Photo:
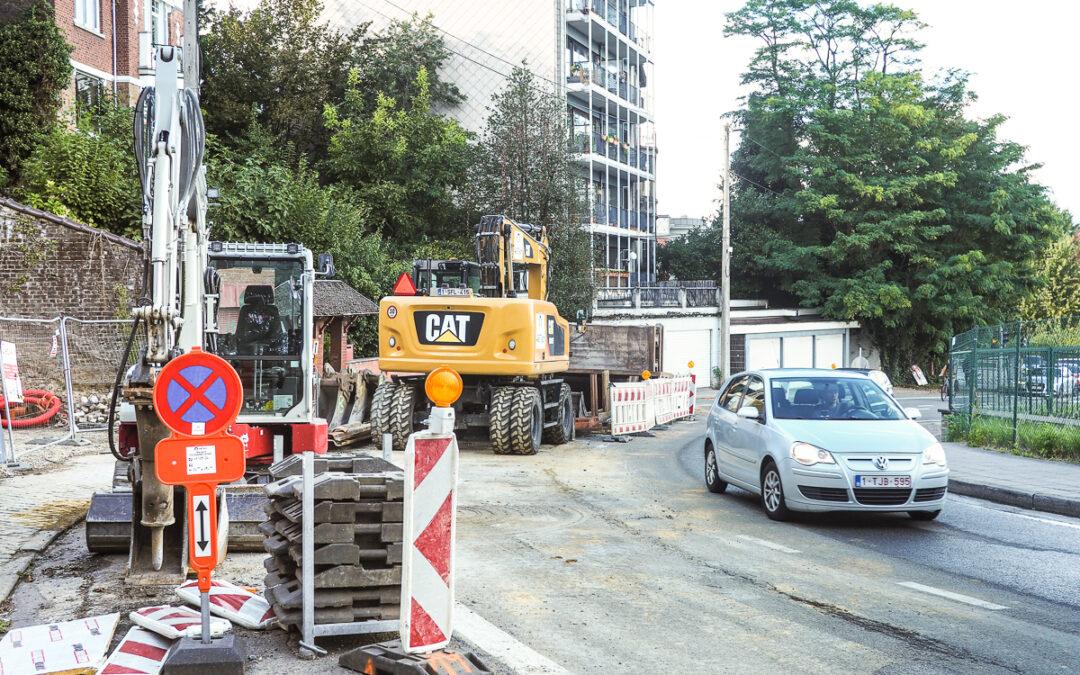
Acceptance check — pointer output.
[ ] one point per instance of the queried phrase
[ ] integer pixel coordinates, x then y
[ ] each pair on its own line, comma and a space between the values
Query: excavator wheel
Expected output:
402, 404
502, 402
526, 421
563, 432
380, 410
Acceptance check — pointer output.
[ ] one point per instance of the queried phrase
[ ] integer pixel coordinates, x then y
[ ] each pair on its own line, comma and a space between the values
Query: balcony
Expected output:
683, 295
610, 13
626, 219
612, 148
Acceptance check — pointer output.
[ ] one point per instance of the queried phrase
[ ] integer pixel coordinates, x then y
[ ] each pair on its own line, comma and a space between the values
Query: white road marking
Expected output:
500, 644
966, 599
971, 501
768, 544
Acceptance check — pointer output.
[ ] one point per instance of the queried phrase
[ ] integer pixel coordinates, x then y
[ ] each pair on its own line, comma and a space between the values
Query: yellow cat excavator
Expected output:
489, 320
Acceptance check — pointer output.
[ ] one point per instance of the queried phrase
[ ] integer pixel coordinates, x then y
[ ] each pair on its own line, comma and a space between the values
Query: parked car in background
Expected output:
822, 440
878, 376
1065, 380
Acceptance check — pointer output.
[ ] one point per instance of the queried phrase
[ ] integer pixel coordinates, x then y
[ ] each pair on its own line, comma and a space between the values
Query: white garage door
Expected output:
829, 351
799, 352
681, 347
762, 352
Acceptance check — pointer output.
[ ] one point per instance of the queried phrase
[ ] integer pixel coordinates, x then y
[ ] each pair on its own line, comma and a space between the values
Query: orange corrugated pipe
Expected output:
48, 402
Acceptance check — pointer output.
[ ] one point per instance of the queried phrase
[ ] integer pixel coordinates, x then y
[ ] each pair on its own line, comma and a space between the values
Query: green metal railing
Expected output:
1018, 374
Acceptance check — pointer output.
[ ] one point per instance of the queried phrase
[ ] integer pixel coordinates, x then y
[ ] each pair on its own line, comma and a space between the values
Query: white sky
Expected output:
1022, 56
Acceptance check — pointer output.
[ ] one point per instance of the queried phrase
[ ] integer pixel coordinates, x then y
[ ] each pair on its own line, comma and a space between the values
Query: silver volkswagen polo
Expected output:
822, 440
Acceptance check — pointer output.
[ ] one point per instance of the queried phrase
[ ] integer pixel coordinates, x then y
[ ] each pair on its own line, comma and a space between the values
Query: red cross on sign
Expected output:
197, 395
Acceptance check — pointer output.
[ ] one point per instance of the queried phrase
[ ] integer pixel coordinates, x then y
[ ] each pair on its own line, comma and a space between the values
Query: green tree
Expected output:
524, 169
696, 255
86, 171
274, 66
1057, 275
406, 164
34, 70
864, 190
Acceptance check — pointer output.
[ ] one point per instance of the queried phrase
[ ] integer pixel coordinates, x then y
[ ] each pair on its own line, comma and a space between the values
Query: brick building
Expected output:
105, 35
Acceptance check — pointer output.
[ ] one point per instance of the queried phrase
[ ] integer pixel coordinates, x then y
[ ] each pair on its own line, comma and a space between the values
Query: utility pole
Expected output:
725, 292
191, 45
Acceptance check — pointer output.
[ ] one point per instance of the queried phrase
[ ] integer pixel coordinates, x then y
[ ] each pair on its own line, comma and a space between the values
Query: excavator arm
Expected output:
503, 248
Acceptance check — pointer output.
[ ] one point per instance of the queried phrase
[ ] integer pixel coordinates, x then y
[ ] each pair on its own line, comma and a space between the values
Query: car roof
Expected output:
771, 373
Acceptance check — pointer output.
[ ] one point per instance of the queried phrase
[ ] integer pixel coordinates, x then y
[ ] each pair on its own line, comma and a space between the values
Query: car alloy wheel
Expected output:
772, 493
712, 473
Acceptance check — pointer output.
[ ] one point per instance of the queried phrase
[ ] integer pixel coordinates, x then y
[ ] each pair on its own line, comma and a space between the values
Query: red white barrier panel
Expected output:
429, 532
175, 622
629, 408
140, 652
660, 391
680, 396
232, 602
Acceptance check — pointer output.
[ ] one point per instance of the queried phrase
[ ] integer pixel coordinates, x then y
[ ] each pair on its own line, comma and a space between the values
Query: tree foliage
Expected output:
86, 171
524, 170
865, 190
696, 255
1057, 275
34, 70
405, 163
275, 67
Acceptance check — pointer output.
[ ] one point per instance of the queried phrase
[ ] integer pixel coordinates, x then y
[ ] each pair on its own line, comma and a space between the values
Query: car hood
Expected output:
858, 436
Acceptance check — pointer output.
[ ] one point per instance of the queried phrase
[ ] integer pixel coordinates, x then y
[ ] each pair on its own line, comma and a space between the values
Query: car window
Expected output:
755, 396
733, 396
830, 398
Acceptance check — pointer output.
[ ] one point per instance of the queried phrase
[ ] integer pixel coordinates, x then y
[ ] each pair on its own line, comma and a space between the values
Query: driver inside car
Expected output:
832, 406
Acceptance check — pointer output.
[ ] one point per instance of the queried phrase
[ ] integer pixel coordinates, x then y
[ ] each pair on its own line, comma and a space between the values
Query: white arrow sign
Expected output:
200, 511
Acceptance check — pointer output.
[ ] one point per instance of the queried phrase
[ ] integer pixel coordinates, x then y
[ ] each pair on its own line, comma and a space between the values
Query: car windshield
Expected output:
831, 398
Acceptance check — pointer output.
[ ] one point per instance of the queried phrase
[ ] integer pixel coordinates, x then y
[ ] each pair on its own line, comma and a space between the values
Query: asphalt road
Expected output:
615, 558
929, 404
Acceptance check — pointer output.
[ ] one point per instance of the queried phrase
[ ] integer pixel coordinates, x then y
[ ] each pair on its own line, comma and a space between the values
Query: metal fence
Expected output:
673, 295
72, 359
1018, 385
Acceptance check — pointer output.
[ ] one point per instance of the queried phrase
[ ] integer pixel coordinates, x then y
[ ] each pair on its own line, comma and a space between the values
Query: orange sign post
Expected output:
197, 396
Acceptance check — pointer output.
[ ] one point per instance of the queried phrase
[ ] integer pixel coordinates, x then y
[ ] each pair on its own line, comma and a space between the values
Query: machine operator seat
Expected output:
259, 324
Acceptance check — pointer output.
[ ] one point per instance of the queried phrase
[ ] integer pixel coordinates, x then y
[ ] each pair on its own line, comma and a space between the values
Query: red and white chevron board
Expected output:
232, 602
427, 574
140, 652
174, 622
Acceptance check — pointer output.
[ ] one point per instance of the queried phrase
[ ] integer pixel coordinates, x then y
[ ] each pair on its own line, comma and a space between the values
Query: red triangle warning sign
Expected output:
404, 285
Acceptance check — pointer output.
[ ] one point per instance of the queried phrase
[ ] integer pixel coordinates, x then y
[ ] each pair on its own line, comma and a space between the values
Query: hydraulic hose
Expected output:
48, 402
116, 392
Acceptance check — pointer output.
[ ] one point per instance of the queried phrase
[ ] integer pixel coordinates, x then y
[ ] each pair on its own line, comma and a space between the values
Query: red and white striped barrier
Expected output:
429, 531
140, 652
232, 602
639, 406
629, 408
175, 622
75, 646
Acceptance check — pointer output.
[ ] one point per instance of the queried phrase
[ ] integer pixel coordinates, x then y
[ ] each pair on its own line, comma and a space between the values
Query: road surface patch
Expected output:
949, 595
490, 638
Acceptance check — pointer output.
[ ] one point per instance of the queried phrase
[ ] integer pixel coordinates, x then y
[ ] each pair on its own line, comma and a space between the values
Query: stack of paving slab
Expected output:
357, 530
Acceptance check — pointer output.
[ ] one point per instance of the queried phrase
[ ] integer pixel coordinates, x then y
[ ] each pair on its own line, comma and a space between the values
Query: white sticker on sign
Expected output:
540, 336
201, 459
198, 428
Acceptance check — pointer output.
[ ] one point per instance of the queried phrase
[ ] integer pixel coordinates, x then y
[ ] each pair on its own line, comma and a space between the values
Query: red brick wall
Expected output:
90, 48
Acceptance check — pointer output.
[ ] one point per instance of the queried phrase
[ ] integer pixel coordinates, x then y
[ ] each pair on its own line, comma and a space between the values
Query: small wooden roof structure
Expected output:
335, 298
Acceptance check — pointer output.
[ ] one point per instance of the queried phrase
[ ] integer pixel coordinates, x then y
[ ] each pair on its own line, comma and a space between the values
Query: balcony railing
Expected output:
659, 296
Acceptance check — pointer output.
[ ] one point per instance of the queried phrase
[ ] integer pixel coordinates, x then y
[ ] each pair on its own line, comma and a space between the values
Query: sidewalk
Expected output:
36, 507
1039, 484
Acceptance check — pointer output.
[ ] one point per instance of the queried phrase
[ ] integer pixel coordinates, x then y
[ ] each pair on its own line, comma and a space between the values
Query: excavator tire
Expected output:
402, 404
502, 402
563, 432
380, 410
526, 421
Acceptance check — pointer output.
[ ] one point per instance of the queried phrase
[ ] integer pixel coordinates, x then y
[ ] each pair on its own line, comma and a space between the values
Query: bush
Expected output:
1051, 441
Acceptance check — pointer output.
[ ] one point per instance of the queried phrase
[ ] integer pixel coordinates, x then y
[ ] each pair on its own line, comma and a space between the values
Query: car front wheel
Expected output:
712, 472
772, 493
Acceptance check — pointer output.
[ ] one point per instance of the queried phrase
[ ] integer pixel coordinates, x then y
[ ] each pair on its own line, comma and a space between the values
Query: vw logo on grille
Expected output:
882, 463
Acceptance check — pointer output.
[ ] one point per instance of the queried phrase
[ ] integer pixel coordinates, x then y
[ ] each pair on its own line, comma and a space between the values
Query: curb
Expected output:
1026, 500
12, 573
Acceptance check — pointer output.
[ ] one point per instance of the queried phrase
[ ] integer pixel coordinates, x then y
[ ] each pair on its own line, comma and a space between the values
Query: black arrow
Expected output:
203, 542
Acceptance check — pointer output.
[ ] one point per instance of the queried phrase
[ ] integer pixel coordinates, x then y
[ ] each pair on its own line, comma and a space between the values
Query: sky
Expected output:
1023, 58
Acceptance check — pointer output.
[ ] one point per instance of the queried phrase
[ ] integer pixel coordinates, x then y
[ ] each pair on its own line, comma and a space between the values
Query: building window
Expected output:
88, 14
159, 34
88, 91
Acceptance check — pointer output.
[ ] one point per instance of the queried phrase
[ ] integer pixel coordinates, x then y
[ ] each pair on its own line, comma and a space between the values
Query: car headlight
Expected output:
935, 454
808, 455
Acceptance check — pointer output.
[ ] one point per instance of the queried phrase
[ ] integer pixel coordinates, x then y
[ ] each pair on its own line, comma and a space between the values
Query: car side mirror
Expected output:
913, 413
326, 265
748, 412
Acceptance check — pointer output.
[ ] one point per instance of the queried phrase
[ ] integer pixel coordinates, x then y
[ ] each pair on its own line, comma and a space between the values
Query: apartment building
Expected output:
595, 53
105, 35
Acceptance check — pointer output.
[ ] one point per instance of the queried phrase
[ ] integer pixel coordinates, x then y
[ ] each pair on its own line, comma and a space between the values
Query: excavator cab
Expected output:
446, 277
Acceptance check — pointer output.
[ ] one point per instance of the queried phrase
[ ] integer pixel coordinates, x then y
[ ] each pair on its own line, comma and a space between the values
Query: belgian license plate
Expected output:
882, 481
455, 292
